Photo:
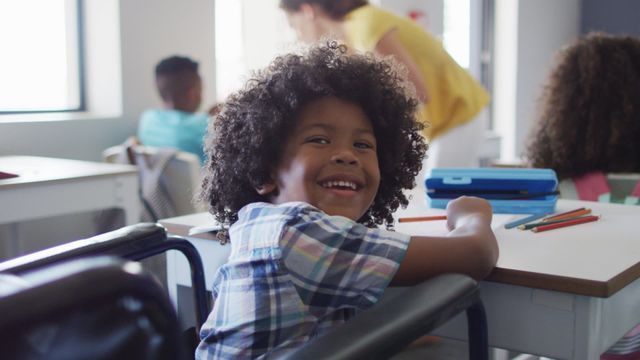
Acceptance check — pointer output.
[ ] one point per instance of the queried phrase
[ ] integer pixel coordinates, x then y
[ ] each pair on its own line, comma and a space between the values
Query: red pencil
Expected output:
423, 218
572, 222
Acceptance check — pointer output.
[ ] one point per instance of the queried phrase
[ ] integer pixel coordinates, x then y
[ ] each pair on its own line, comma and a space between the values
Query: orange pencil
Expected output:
581, 220
568, 214
423, 218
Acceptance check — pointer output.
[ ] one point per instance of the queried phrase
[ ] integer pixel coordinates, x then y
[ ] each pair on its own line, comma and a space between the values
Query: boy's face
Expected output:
329, 160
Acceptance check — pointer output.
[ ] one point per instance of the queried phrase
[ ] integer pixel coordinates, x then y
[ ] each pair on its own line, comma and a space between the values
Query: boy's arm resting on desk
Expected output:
470, 247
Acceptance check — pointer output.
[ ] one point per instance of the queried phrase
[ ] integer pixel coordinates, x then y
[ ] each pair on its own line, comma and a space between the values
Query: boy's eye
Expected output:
318, 140
363, 145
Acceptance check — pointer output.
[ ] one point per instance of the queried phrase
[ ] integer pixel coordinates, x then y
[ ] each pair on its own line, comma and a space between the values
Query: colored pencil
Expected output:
525, 220
569, 215
582, 220
532, 225
423, 218
553, 217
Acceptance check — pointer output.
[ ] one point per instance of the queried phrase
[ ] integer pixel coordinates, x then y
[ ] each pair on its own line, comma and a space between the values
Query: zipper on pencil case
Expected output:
492, 196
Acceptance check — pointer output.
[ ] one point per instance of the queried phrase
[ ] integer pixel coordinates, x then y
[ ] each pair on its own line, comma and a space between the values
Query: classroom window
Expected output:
456, 32
248, 35
41, 63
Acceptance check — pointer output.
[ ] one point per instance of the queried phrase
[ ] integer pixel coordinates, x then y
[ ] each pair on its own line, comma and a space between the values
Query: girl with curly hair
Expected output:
306, 160
590, 124
589, 132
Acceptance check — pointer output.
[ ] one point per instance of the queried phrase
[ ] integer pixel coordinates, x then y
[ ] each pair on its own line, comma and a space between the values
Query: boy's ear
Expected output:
266, 189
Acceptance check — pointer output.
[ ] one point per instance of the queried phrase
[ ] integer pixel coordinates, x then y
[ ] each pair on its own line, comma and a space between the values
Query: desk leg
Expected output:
12, 248
172, 281
587, 330
601, 322
127, 198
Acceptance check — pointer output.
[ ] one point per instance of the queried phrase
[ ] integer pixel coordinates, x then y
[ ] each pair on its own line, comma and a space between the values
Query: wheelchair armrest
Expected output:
389, 326
119, 242
88, 308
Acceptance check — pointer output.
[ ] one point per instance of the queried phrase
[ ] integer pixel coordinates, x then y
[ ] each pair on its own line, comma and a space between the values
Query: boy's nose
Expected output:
344, 157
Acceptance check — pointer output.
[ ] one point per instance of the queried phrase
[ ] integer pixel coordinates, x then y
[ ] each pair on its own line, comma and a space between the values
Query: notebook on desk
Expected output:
210, 228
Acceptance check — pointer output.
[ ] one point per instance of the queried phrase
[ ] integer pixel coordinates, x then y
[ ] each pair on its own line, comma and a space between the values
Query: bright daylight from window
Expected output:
456, 30
39, 62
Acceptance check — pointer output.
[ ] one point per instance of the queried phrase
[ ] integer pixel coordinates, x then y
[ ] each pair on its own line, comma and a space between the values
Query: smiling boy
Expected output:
307, 160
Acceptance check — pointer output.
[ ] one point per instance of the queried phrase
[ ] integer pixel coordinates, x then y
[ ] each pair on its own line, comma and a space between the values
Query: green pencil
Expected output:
532, 225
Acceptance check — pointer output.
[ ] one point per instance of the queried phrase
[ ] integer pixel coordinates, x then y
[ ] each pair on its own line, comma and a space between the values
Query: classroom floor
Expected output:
448, 349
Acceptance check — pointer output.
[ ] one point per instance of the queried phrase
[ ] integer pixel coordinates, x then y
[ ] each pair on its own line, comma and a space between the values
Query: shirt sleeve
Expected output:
337, 263
366, 25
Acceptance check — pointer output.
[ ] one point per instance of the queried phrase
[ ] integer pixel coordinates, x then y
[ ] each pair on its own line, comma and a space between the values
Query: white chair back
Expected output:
181, 175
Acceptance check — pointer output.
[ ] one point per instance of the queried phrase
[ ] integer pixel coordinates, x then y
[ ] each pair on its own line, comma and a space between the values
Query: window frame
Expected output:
80, 68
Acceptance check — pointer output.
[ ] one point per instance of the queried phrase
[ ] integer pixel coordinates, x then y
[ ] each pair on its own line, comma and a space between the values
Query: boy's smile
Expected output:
329, 160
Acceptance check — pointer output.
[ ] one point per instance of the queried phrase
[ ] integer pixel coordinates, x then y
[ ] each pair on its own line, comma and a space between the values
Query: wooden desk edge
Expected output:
565, 284
183, 231
16, 181
594, 288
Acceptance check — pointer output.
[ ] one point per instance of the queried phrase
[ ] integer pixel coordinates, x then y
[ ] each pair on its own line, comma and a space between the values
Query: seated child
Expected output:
590, 124
590, 129
178, 124
305, 161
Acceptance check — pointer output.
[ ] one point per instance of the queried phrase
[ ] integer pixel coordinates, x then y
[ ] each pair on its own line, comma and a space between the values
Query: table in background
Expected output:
569, 293
48, 187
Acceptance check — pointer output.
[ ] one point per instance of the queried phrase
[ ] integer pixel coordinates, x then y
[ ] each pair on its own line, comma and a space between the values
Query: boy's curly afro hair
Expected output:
247, 137
591, 109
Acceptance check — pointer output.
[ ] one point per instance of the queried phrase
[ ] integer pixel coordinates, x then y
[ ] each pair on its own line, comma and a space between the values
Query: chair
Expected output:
180, 177
135, 242
386, 328
60, 312
389, 326
621, 185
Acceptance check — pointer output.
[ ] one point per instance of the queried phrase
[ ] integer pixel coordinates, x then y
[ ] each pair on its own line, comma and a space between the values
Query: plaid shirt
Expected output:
294, 272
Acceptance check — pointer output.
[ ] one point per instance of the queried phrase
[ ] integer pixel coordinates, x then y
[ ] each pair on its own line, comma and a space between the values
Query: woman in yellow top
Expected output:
451, 95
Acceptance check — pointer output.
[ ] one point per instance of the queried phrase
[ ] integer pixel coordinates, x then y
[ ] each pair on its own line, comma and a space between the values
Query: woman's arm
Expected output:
389, 44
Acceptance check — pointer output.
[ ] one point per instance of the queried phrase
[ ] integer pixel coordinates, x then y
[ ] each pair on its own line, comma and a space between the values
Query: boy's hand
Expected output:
467, 207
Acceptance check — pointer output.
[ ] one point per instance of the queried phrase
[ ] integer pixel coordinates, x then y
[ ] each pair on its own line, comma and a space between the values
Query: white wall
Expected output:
124, 42
432, 10
528, 35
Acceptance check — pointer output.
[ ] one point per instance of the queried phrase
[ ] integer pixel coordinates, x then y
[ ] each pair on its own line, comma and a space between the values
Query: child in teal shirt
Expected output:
178, 125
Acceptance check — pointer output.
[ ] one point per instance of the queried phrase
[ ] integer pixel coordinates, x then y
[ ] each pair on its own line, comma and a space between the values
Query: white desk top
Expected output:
34, 169
596, 259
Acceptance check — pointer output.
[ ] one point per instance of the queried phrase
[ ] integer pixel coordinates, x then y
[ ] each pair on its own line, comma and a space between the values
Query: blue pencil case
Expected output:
508, 190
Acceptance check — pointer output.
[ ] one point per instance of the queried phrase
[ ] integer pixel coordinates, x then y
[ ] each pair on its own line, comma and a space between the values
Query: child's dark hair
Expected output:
591, 109
249, 134
336, 9
174, 75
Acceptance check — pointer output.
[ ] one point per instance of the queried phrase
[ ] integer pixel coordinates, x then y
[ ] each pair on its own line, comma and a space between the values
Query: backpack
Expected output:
595, 186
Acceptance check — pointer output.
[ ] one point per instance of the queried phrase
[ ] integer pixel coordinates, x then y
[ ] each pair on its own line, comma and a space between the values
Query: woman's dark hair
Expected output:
336, 9
591, 109
247, 137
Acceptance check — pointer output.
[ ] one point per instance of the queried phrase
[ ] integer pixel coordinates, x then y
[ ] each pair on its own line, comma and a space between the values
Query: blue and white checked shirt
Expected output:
294, 272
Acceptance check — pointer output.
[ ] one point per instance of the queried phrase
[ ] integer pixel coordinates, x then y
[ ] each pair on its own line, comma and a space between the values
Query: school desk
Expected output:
568, 293
47, 187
